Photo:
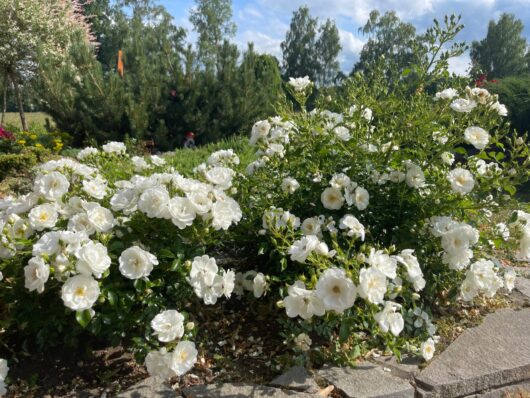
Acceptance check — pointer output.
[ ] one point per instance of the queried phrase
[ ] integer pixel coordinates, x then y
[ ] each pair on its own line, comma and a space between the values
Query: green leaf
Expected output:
406, 72
344, 331
510, 189
83, 318
112, 297
283, 264
166, 253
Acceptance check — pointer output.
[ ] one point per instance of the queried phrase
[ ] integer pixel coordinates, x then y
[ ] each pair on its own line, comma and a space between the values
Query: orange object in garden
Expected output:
120, 63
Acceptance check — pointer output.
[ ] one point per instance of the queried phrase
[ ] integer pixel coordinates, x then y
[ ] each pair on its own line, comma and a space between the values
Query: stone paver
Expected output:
152, 387
407, 369
522, 285
296, 378
491, 355
505, 392
366, 381
234, 390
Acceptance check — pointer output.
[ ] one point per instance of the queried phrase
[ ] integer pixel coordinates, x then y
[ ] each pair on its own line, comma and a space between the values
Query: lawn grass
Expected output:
184, 160
33, 118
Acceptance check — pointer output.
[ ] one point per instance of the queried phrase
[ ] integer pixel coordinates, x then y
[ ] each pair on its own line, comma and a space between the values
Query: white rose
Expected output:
157, 364
448, 158
342, 133
336, 290
428, 349
259, 284
353, 226
372, 285
302, 302
86, 152
182, 212
389, 319
225, 213
299, 84
183, 358
259, 130
477, 136
168, 325
361, 198
99, 217
51, 186
36, 274
463, 105
157, 160
499, 108
302, 248
415, 177
332, 198
153, 202
96, 187
136, 263
220, 177
114, 147
289, 185
80, 292
448, 93
92, 258
383, 262
43, 216
461, 180
125, 200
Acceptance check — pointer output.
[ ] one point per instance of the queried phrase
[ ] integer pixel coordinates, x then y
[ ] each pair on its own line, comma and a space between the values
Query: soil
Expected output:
237, 347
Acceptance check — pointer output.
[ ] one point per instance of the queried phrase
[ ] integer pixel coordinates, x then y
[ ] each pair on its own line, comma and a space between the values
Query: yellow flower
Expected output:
21, 142
57, 140
38, 145
33, 136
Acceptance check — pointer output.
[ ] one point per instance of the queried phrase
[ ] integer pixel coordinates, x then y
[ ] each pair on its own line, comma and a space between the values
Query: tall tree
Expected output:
389, 41
34, 30
299, 48
328, 48
211, 19
502, 52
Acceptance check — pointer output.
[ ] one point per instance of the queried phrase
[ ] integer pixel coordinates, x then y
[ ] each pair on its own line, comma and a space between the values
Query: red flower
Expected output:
6, 135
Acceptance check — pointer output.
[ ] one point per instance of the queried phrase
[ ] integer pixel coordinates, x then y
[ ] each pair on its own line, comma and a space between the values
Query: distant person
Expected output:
189, 141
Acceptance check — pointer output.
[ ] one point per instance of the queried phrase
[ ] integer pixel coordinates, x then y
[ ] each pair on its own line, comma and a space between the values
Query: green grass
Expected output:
33, 118
184, 159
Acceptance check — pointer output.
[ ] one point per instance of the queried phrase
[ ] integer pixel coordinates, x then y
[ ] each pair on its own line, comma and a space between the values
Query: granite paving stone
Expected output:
489, 356
366, 381
152, 387
296, 378
236, 390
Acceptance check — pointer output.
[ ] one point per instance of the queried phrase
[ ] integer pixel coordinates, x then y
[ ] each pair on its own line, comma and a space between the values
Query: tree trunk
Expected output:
20, 103
4, 108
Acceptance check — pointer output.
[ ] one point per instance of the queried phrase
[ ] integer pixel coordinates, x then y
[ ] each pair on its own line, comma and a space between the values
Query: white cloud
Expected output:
460, 65
351, 48
263, 43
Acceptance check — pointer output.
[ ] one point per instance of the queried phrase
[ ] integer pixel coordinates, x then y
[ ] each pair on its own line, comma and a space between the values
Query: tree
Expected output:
211, 19
36, 30
389, 42
299, 48
328, 48
502, 52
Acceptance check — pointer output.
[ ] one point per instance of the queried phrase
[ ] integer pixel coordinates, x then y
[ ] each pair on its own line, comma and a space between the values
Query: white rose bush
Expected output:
386, 220
358, 220
98, 242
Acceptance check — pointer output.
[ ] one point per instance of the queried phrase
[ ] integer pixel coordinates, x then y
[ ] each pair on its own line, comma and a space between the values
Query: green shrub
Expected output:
515, 93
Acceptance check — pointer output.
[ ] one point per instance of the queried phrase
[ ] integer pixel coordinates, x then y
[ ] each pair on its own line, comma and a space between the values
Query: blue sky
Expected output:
265, 22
